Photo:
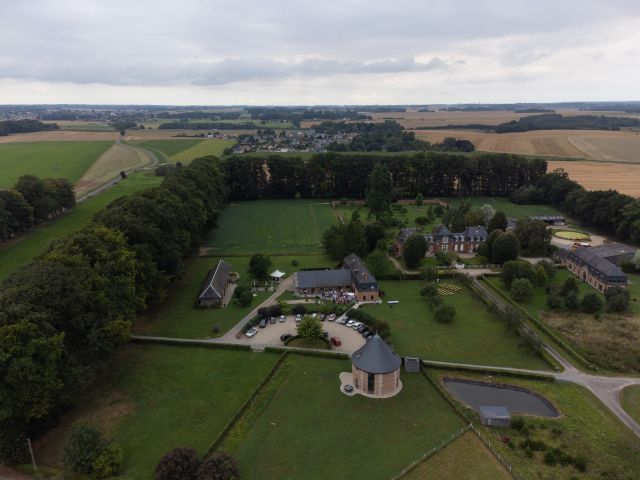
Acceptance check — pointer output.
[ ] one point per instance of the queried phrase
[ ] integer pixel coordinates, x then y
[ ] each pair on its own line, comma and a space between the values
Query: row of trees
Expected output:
332, 175
31, 201
609, 211
65, 313
24, 126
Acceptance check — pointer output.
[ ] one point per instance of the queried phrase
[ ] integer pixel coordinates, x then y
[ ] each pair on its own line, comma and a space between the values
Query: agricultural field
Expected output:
23, 249
118, 158
586, 428
82, 125
465, 459
624, 177
630, 398
68, 160
152, 399
201, 149
291, 227
60, 136
475, 336
335, 436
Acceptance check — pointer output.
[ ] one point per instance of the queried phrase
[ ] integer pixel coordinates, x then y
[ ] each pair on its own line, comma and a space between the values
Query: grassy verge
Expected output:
630, 399
22, 250
311, 430
475, 336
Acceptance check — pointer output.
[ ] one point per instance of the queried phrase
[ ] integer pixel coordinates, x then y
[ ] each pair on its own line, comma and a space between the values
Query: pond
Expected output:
517, 400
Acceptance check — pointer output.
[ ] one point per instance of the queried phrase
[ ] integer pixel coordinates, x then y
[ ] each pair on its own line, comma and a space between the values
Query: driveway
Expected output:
270, 335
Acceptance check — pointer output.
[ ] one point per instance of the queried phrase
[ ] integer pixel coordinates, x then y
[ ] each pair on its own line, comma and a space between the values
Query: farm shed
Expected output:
495, 416
376, 369
214, 286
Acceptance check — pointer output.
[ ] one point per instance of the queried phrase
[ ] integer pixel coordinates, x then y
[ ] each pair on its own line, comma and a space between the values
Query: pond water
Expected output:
516, 399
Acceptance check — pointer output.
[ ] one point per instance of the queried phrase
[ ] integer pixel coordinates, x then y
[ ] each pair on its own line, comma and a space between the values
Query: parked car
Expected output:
336, 341
282, 318
251, 332
298, 317
361, 328
332, 317
368, 335
314, 315
350, 323
325, 333
356, 325
323, 317
273, 320
263, 323
285, 337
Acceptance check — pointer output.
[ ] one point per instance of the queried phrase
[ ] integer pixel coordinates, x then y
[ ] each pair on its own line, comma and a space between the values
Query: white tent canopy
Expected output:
277, 274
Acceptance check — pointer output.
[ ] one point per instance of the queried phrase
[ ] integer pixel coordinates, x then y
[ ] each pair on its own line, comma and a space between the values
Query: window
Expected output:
371, 383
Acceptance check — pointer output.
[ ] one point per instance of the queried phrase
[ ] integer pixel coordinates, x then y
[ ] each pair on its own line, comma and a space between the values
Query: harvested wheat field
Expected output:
59, 136
587, 144
109, 165
144, 135
623, 177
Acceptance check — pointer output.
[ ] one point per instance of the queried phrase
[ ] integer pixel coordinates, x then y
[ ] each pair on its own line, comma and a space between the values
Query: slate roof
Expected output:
376, 356
322, 278
613, 249
589, 256
406, 233
213, 287
477, 231
361, 277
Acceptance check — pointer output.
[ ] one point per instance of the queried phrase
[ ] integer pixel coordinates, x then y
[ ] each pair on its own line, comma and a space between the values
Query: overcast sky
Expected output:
321, 52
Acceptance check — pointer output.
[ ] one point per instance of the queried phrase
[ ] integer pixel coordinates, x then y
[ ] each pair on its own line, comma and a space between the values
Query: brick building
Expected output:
376, 369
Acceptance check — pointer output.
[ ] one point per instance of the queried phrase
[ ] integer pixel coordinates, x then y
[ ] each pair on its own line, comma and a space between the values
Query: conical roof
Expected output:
376, 356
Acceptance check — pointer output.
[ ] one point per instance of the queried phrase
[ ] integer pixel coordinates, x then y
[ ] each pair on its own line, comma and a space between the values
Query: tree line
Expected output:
609, 211
64, 314
24, 126
332, 175
32, 200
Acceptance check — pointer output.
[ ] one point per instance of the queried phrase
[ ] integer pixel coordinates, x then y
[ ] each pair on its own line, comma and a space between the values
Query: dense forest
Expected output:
64, 314
609, 211
332, 175
31, 201
24, 126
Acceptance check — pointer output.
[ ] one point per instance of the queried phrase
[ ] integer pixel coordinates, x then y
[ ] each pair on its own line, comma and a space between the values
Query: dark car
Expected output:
285, 337
368, 335
273, 320
325, 333
362, 328
323, 317
263, 323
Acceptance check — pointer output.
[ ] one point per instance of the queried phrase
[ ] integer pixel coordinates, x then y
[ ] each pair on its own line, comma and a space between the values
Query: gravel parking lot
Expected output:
270, 335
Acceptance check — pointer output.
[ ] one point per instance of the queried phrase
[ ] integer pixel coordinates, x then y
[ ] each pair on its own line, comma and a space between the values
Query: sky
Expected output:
273, 52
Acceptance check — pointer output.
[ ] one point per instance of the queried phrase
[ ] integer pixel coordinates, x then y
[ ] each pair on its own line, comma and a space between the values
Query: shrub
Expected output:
445, 313
178, 464
414, 250
419, 199
617, 300
429, 290
294, 263
299, 309
515, 269
109, 462
445, 258
243, 295
571, 301
219, 466
591, 303
521, 290
517, 424
82, 447
309, 328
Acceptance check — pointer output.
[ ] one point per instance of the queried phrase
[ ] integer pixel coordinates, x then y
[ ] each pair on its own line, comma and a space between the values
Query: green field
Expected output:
510, 209
311, 430
630, 399
68, 160
465, 459
21, 250
166, 148
407, 215
202, 149
475, 336
272, 226
156, 398
586, 428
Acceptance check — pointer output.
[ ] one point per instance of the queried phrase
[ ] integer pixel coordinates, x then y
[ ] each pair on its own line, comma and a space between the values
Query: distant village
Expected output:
309, 140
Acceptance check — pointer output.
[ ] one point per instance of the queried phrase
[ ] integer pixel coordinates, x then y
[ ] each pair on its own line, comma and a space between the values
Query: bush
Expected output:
445, 313
591, 303
414, 250
178, 464
521, 290
219, 466
445, 258
109, 462
429, 290
243, 295
617, 300
82, 447
299, 309
517, 424
309, 328
294, 263
515, 269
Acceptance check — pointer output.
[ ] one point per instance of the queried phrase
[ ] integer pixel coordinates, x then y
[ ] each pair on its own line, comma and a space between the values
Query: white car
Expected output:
282, 318
332, 317
356, 325
314, 315
350, 323
298, 317
252, 332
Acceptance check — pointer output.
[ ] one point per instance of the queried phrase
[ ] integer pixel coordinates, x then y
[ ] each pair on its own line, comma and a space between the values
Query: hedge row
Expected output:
190, 343
307, 353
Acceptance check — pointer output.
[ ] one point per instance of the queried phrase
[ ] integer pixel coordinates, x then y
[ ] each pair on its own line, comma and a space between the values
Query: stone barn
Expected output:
376, 369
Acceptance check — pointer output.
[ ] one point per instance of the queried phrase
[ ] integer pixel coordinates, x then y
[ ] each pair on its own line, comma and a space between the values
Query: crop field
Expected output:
585, 428
60, 136
166, 148
22, 250
310, 430
623, 177
155, 398
83, 125
465, 459
118, 158
292, 227
475, 336
205, 147
68, 160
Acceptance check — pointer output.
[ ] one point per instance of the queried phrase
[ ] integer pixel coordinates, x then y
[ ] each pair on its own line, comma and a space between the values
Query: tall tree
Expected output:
414, 250
379, 192
497, 222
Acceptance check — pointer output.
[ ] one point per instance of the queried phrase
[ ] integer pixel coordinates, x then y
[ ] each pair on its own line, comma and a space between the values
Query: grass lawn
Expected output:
22, 250
272, 226
48, 159
509, 208
465, 459
634, 290
155, 398
201, 149
631, 401
407, 216
311, 430
475, 336
586, 428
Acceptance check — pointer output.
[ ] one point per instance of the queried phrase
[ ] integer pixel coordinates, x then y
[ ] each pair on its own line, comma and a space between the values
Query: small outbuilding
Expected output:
215, 286
376, 369
412, 364
495, 416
